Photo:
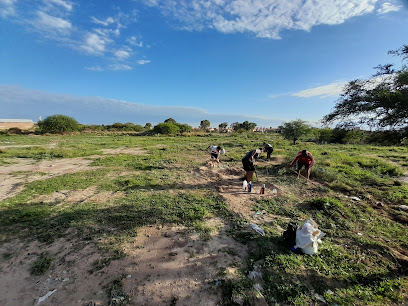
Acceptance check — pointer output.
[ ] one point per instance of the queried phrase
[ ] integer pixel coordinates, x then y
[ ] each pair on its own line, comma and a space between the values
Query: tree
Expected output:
222, 126
325, 135
170, 120
166, 128
148, 125
171, 128
204, 124
293, 130
246, 126
184, 128
58, 124
379, 102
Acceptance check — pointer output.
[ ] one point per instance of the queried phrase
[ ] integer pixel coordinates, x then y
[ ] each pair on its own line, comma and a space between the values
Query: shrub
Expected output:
58, 124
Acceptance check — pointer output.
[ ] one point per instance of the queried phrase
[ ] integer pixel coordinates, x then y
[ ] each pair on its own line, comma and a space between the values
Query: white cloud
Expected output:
94, 68
105, 22
388, 7
122, 54
120, 67
48, 23
134, 41
7, 8
94, 44
143, 62
65, 4
330, 90
264, 18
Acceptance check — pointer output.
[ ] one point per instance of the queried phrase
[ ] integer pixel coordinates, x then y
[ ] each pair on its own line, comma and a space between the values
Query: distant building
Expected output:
23, 124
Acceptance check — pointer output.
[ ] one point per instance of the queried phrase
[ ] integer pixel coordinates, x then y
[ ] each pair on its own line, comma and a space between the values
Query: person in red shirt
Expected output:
303, 158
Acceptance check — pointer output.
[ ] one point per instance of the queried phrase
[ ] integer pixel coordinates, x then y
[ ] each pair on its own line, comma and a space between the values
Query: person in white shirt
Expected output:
215, 152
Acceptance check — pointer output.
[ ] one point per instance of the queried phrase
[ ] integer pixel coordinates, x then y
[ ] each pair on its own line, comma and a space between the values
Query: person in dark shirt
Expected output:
268, 149
248, 163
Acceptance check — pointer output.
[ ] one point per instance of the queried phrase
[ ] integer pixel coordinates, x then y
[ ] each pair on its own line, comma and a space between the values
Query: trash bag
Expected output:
290, 234
308, 236
257, 229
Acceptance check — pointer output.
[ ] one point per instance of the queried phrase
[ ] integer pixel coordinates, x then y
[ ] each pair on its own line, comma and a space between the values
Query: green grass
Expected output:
357, 263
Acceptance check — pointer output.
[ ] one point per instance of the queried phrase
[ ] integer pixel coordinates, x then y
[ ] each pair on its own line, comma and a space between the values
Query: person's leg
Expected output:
298, 167
308, 173
268, 154
249, 175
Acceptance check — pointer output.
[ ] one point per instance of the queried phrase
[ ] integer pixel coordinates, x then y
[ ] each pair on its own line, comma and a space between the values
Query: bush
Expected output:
171, 128
58, 124
14, 130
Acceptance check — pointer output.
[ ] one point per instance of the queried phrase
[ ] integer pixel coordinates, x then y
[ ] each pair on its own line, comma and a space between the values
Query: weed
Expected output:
41, 265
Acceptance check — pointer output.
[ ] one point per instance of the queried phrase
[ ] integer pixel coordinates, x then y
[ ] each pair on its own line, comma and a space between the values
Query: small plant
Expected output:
41, 265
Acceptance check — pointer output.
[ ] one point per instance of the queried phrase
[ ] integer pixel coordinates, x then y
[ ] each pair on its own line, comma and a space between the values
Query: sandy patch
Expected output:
172, 263
163, 263
67, 278
14, 176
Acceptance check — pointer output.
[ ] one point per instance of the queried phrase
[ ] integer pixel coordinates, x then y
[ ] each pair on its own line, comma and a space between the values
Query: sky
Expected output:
265, 61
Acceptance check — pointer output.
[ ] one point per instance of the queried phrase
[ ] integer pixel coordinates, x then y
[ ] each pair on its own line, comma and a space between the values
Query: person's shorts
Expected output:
215, 155
248, 165
301, 165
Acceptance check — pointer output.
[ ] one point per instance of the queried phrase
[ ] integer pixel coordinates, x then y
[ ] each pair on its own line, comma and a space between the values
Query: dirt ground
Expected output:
163, 264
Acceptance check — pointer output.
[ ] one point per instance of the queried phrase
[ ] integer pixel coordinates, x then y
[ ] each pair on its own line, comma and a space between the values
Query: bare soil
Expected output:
163, 264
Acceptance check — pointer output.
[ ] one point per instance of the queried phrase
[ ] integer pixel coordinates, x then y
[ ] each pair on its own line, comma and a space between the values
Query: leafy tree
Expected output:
204, 124
166, 128
170, 120
148, 125
184, 128
246, 126
325, 135
379, 102
293, 130
58, 124
171, 128
222, 126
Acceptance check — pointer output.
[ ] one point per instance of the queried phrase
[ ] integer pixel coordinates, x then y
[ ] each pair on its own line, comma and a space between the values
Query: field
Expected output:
136, 220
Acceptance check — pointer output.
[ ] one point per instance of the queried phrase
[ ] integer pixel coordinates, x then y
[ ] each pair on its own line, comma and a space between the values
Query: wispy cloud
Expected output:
135, 41
120, 67
105, 22
7, 8
65, 4
143, 62
264, 18
94, 68
122, 54
388, 7
63, 22
330, 90
94, 44
51, 24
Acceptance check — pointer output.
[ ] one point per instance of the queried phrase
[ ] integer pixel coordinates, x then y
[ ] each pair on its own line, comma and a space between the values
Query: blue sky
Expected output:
141, 61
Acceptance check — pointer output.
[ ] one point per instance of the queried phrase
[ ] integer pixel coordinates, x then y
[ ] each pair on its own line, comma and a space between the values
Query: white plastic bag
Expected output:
308, 236
257, 229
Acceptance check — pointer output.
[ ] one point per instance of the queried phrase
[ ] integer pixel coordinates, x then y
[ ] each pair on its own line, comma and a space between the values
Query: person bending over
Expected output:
248, 163
303, 159
268, 149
